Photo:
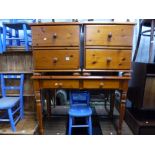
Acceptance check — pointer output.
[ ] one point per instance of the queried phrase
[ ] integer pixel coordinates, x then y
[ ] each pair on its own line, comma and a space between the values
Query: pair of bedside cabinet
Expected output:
82, 56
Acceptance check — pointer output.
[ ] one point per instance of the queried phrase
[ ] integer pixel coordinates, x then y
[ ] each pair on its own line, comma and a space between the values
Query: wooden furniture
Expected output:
101, 59
141, 122
140, 117
142, 84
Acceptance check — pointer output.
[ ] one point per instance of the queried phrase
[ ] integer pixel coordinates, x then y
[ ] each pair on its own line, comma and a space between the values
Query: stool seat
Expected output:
8, 102
146, 22
80, 111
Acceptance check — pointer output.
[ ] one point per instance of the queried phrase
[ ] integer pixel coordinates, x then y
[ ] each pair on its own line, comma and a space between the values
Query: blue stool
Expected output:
12, 34
80, 107
1, 47
12, 105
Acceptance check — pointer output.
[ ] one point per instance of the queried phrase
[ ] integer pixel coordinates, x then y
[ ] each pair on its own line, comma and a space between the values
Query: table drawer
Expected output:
60, 84
101, 84
56, 59
107, 59
62, 35
109, 35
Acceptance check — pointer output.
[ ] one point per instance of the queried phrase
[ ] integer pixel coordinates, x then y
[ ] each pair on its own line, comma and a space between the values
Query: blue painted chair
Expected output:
13, 106
80, 107
1, 46
15, 33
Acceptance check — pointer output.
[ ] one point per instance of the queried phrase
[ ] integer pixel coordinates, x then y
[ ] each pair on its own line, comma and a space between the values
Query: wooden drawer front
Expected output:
106, 35
56, 59
108, 84
60, 84
55, 35
107, 59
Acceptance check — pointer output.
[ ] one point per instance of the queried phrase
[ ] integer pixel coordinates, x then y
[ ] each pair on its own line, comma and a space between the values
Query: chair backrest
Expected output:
79, 97
4, 87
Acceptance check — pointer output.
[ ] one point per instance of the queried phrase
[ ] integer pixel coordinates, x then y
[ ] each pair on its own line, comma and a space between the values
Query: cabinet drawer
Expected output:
109, 35
62, 35
56, 59
100, 84
60, 84
107, 59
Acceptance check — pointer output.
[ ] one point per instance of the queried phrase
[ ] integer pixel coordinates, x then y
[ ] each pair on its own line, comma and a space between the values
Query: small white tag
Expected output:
67, 58
45, 38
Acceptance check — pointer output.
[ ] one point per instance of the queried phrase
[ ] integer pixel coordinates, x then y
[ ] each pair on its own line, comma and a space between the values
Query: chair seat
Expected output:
8, 102
80, 111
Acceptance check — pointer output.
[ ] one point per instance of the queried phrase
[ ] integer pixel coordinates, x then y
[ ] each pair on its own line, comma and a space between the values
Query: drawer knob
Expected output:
60, 84
109, 35
123, 59
45, 39
101, 84
94, 62
109, 59
56, 84
54, 36
55, 60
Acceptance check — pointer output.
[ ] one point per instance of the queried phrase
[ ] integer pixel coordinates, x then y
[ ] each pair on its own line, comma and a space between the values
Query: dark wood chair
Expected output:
146, 23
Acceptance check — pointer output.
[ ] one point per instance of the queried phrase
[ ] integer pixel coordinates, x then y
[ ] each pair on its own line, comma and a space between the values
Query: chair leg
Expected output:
11, 120
90, 125
21, 109
25, 37
70, 125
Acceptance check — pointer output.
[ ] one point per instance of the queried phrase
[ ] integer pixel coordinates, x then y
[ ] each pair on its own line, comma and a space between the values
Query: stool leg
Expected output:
11, 120
151, 53
138, 42
70, 125
90, 125
25, 37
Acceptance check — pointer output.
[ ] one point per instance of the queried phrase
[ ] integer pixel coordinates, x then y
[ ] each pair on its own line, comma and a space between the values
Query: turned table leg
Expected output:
39, 111
122, 111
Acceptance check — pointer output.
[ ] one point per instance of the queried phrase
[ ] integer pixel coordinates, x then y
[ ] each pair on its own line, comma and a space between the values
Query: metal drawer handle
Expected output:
54, 36
55, 60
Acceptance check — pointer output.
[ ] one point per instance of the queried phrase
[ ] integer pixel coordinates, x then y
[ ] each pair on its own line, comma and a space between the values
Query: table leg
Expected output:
112, 103
39, 111
48, 103
122, 111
